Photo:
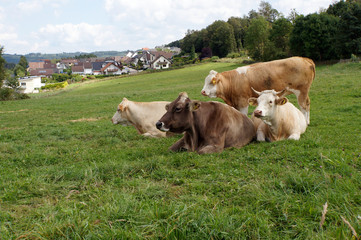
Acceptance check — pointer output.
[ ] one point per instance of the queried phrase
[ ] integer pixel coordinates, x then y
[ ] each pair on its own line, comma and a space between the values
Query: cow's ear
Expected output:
213, 72
194, 105
122, 107
253, 101
281, 101
167, 107
214, 81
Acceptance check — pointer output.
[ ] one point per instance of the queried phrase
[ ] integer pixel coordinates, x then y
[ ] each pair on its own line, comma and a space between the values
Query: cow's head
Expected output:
210, 85
266, 103
178, 117
120, 116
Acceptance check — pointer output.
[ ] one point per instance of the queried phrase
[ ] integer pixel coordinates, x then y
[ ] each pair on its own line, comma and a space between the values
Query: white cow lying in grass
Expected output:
142, 115
275, 118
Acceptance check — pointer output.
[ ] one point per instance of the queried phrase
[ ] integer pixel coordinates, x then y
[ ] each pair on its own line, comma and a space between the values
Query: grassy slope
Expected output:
91, 179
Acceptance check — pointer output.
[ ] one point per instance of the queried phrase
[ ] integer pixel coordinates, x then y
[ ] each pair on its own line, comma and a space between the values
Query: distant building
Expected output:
30, 84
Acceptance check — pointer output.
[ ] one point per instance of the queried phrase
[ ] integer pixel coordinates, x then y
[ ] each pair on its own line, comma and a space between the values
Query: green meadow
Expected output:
66, 172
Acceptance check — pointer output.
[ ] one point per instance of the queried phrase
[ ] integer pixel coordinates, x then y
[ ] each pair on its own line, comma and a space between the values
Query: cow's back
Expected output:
217, 118
288, 120
294, 73
292, 119
144, 115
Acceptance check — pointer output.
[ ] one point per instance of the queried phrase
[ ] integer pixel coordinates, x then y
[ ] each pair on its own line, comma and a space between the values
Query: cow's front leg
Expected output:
294, 136
180, 145
210, 149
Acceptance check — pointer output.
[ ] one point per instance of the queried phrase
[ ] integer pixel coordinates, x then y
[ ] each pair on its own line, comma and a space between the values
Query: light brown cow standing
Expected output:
234, 87
208, 126
142, 115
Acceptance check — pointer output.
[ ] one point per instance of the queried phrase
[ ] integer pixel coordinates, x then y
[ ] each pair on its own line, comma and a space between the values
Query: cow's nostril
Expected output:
258, 113
203, 92
159, 124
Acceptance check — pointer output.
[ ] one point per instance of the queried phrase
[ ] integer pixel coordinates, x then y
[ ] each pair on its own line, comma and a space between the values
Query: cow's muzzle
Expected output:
258, 113
160, 126
203, 93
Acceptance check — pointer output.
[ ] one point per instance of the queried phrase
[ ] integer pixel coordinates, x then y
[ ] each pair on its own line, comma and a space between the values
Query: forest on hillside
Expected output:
332, 33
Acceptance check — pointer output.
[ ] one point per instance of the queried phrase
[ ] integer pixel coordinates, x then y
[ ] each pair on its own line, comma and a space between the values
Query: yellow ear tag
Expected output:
214, 81
284, 101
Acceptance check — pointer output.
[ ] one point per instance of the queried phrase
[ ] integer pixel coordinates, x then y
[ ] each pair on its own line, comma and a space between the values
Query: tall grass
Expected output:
67, 173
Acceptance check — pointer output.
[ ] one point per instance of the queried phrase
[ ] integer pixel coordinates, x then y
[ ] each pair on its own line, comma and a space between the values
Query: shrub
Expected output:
354, 58
77, 78
233, 55
10, 94
55, 85
215, 58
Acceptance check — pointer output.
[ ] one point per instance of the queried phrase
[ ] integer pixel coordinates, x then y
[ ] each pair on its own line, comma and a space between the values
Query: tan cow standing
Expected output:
208, 126
234, 87
142, 115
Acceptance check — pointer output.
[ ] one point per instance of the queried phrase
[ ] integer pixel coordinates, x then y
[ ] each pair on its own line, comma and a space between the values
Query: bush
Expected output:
354, 58
55, 86
10, 94
215, 58
77, 78
233, 55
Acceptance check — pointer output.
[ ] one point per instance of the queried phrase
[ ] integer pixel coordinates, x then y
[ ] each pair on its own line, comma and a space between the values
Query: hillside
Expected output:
68, 173
33, 57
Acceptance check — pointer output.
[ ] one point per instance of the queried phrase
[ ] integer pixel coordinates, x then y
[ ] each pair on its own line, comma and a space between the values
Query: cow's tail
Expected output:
313, 67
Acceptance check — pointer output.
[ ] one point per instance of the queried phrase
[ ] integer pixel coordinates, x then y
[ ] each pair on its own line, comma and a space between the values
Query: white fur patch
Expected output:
294, 91
242, 70
183, 97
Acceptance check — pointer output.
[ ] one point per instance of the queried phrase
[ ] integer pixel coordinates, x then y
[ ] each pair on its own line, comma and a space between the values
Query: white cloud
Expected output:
162, 21
29, 6
2, 13
77, 37
302, 7
120, 24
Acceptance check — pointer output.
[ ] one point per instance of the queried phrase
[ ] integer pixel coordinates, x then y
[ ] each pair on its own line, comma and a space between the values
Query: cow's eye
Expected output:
270, 102
178, 109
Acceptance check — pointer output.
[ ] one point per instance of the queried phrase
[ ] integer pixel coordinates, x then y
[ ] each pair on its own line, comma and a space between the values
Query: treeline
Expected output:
266, 34
34, 57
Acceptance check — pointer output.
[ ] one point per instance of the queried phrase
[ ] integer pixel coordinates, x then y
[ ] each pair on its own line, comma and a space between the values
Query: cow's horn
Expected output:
280, 93
183, 94
256, 92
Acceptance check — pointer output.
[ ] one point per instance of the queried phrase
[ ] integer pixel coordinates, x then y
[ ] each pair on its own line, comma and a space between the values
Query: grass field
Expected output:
66, 172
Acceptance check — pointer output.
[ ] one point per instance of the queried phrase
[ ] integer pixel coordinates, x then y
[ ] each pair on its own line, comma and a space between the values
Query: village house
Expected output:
30, 84
161, 63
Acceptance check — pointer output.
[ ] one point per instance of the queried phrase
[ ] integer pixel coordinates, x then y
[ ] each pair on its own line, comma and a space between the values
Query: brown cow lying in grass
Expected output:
208, 126
142, 115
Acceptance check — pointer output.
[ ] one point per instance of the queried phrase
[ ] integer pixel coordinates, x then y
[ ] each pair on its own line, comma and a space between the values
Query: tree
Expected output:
265, 10
257, 42
19, 71
13, 83
221, 38
313, 36
239, 26
292, 16
2, 67
23, 62
193, 53
348, 38
206, 53
280, 35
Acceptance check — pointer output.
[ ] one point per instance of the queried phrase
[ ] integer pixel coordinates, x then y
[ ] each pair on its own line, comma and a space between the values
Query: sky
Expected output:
56, 26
